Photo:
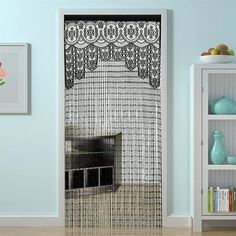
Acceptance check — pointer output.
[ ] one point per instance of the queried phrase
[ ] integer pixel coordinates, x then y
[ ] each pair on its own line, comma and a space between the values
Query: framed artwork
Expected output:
14, 75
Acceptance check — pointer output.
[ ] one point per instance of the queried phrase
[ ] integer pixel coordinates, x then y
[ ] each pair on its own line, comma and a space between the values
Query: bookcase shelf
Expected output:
210, 82
221, 117
222, 167
220, 216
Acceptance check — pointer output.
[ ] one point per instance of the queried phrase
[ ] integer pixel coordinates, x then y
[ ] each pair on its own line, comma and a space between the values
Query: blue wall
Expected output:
28, 144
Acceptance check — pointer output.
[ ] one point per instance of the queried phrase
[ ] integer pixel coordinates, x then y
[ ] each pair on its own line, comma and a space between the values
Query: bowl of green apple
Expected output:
220, 54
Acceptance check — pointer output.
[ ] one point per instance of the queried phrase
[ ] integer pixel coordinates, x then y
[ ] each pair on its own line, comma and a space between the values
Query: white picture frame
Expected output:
14, 78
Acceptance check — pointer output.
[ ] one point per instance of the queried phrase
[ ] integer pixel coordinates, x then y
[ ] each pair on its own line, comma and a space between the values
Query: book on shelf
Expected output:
234, 198
221, 199
210, 199
230, 201
216, 199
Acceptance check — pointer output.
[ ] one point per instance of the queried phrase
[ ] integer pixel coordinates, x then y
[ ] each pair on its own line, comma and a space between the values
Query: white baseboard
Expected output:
219, 223
55, 221
31, 221
178, 221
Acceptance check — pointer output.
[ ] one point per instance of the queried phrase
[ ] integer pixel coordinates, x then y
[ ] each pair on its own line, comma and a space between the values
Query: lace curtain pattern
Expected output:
112, 86
136, 43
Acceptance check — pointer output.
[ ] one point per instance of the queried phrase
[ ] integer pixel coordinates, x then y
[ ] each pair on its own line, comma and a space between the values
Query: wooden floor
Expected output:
139, 232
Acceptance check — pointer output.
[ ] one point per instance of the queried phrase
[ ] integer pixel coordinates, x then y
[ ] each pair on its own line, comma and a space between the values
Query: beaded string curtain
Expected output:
112, 85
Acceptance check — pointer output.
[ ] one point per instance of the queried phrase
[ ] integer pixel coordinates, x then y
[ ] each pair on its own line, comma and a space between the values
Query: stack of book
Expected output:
221, 199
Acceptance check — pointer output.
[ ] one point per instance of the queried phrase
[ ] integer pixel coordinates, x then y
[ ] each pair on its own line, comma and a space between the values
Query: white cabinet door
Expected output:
217, 83
210, 81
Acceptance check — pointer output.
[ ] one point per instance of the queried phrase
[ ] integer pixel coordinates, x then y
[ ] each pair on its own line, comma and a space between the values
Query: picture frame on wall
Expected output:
14, 78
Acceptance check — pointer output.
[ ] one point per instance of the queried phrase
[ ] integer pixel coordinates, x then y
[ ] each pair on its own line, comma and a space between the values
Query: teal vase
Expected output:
224, 105
217, 154
211, 107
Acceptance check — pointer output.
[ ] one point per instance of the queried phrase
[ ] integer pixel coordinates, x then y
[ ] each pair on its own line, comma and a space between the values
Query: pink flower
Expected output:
2, 73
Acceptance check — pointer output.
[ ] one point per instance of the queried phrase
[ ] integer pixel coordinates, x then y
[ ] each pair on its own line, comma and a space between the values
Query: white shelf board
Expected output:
220, 216
222, 167
221, 117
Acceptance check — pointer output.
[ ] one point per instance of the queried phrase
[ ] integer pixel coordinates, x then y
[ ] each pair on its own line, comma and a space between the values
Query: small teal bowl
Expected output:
231, 160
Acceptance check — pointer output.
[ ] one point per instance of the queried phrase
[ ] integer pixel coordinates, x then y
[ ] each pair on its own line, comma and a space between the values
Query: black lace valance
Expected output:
136, 43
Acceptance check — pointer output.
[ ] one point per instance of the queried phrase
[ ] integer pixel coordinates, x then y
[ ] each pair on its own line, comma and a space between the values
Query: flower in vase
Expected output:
2, 75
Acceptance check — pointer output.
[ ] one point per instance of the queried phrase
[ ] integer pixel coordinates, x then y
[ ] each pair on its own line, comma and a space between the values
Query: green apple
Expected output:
214, 51
230, 52
209, 50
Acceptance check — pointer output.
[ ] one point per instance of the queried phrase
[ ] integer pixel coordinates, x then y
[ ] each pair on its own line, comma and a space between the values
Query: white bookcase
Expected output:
210, 81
